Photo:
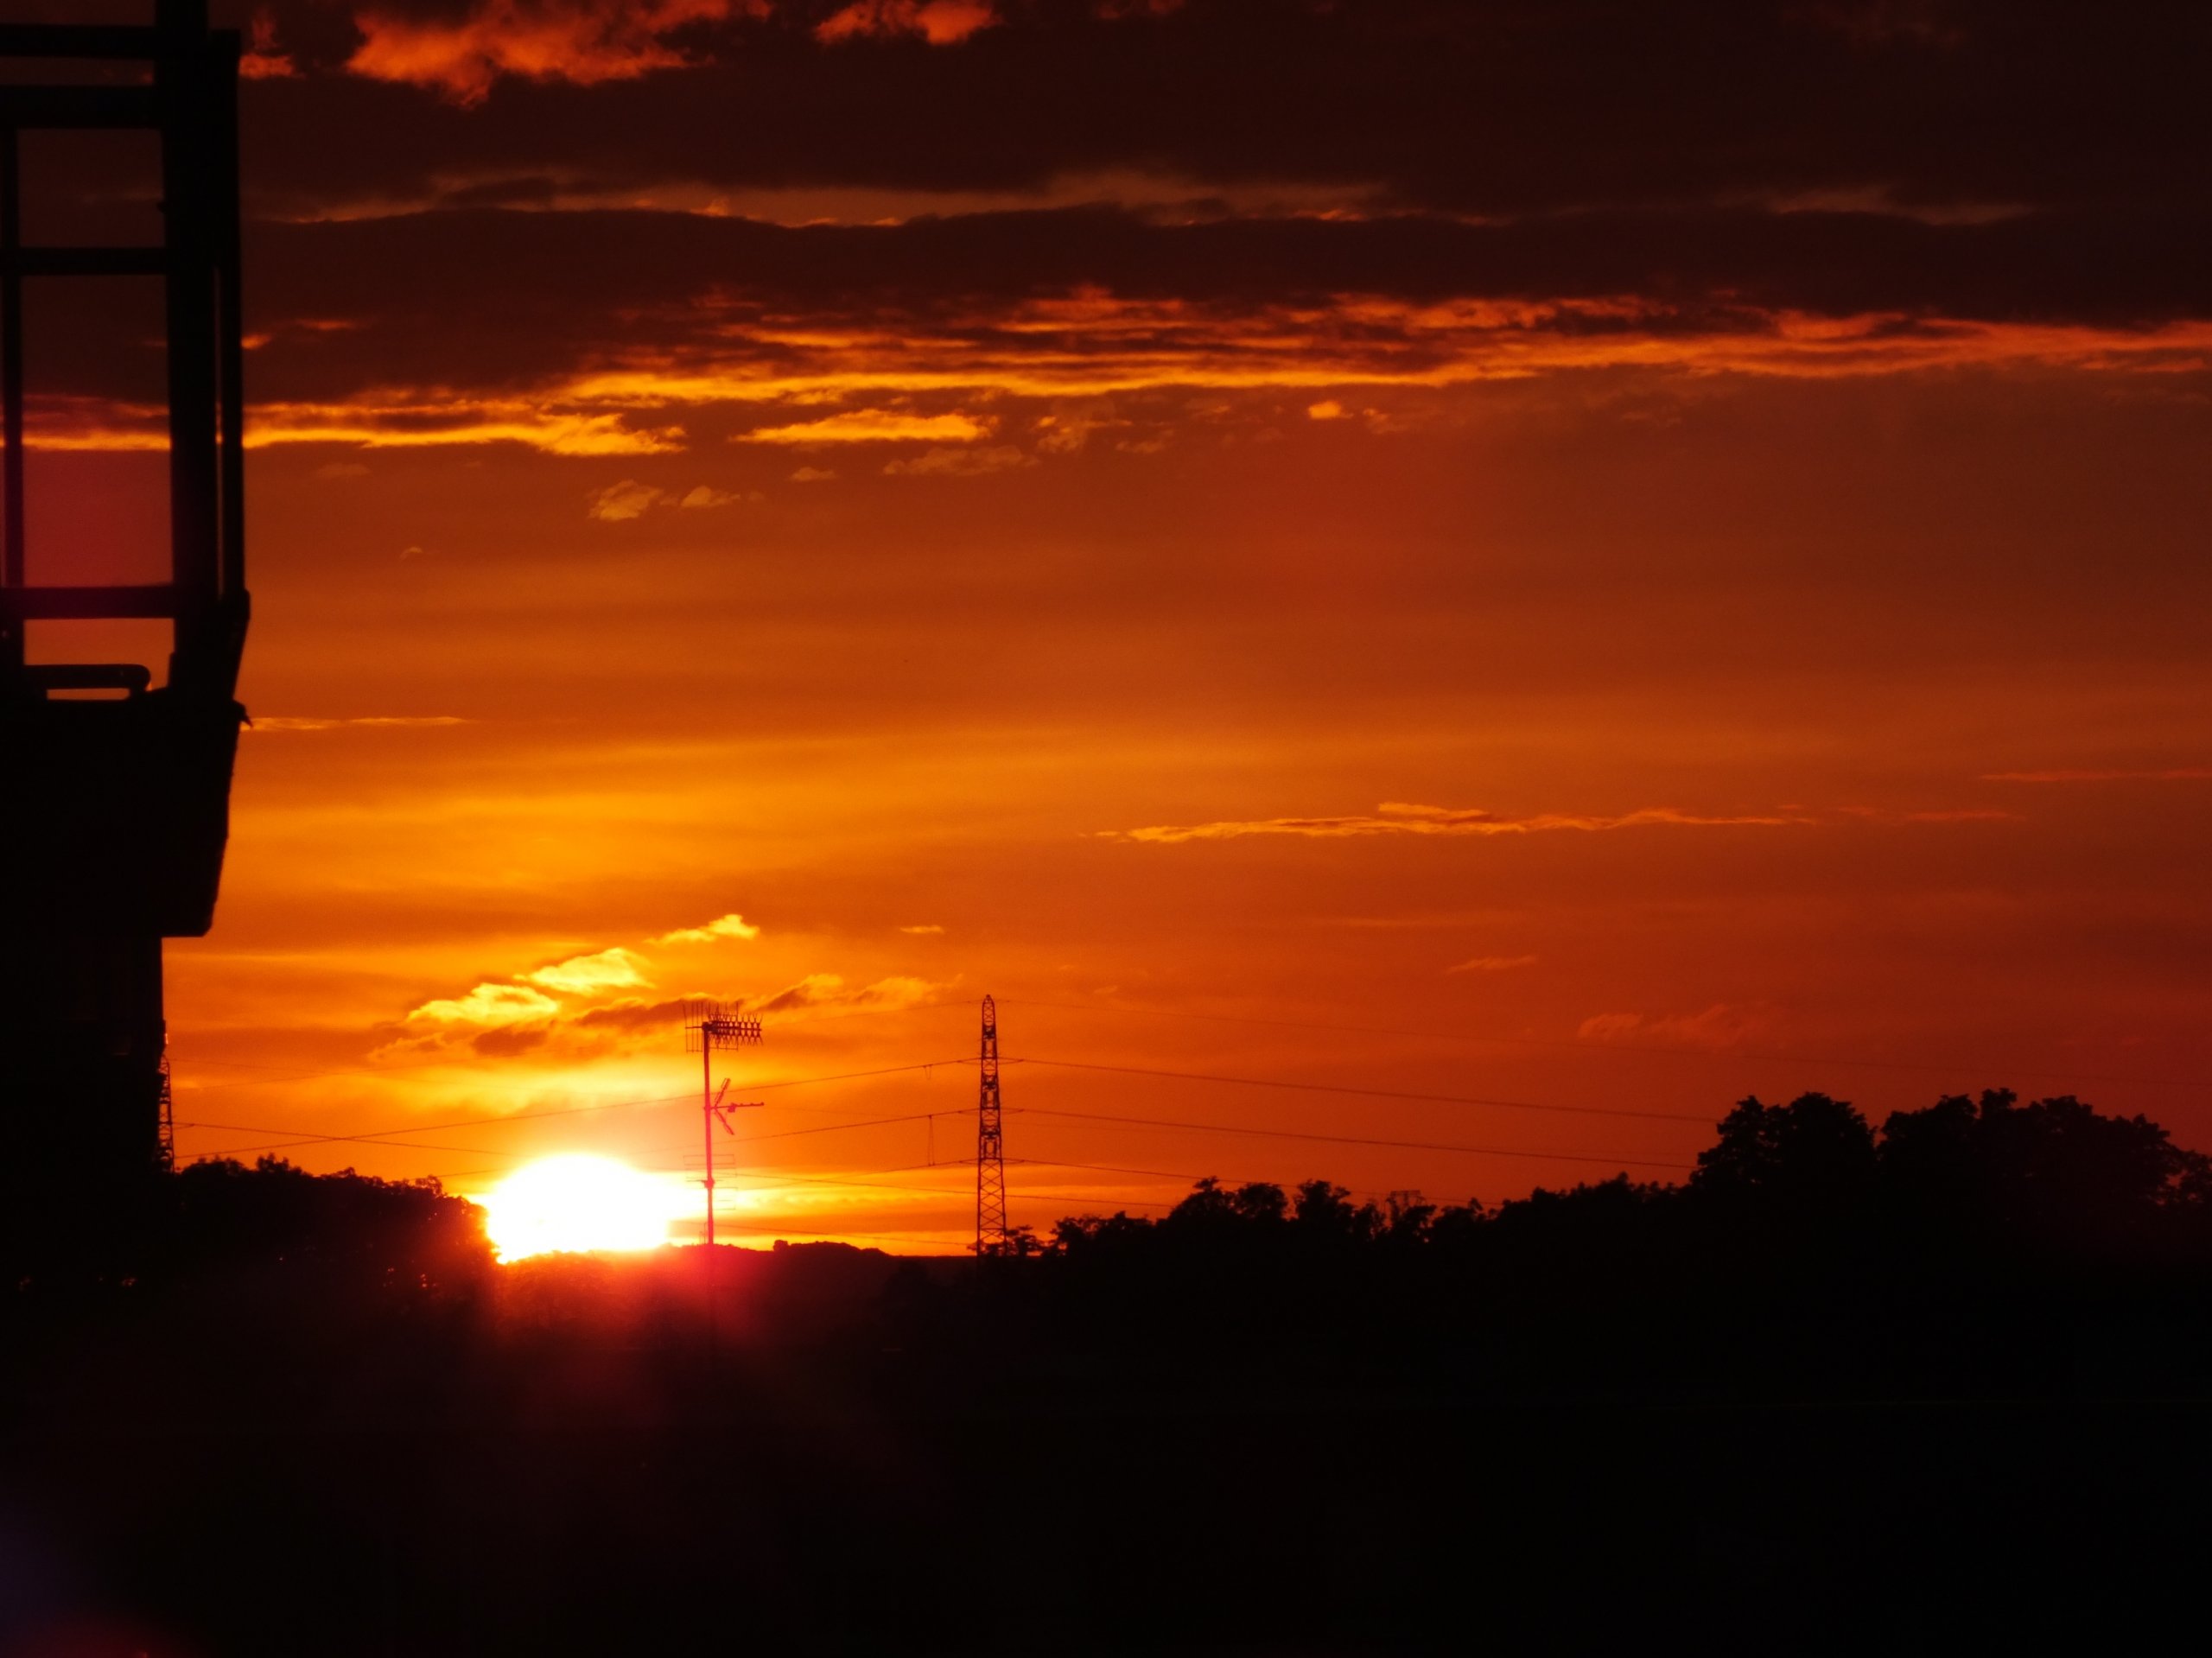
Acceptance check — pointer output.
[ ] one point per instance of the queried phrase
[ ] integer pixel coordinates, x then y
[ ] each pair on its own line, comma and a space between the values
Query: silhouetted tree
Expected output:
400, 1237
1327, 1211
1814, 1150
2053, 1173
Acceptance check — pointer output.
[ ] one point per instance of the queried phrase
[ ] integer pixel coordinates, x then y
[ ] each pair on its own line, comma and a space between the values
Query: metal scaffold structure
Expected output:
115, 775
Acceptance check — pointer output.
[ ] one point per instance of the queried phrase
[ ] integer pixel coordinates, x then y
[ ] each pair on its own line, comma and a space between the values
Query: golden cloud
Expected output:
872, 426
729, 926
583, 975
486, 1007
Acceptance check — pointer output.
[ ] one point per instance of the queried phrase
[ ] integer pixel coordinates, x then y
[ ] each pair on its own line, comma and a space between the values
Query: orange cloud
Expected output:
619, 502
1717, 1028
574, 41
1396, 817
872, 426
828, 990
2171, 774
729, 926
1097, 346
961, 463
486, 1007
302, 723
608, 970
941, 23
438, 419
261, 60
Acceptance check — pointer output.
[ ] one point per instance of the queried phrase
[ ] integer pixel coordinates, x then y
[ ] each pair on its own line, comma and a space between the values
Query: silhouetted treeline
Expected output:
1977, 1243
1945, 1378
1989, 1179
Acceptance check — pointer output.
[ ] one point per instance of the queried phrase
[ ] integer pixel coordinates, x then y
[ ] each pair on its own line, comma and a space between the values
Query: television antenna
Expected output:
709, 1027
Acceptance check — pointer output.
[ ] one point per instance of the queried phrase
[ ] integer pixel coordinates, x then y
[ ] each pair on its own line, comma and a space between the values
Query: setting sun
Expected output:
576, 1203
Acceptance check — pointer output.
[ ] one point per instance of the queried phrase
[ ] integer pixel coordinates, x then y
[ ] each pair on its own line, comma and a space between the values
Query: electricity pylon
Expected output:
990, 1146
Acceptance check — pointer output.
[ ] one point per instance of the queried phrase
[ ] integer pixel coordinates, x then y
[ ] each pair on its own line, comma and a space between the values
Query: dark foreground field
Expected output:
573, 1507
1815, 1401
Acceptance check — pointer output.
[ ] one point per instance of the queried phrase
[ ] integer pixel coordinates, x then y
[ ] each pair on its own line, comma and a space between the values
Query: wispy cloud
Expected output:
1399, 817
633, 407
1718, 1026
584, 41
264, 60
703, 495
586, 1005
429, 421
2171, 774
923, 930
286, 723
871, 426
961, 463
729, 926
1929, 815
1492, 964
819, 990
488, 1006
620, 503
941, 23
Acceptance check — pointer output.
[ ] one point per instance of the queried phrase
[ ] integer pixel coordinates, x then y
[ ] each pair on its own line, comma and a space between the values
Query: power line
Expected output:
311, 1139
308, 1139
305, 1076
390, 1137
839, 1128
1562, 1044
372, 1146
1352, 1139
1375, 1093
775, 1177
952, 1250
1175, 1174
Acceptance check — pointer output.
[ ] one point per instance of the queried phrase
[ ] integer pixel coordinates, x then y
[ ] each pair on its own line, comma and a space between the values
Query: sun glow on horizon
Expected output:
576, 1203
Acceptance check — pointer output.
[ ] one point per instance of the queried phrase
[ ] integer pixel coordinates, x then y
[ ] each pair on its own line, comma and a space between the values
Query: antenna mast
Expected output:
709, 1025
990, 1147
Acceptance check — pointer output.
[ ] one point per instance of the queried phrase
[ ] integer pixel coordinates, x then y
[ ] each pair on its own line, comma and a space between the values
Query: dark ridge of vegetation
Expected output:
1979, 1243
1946, 1378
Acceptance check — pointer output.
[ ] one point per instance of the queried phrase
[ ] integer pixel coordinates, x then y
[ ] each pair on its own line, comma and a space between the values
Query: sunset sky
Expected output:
1577, 558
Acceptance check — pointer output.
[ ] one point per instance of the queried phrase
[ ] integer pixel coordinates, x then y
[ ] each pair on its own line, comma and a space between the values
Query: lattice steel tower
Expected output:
990, 1146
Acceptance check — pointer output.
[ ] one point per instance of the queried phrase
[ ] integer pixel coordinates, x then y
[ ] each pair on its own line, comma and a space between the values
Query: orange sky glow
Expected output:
1440, 681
